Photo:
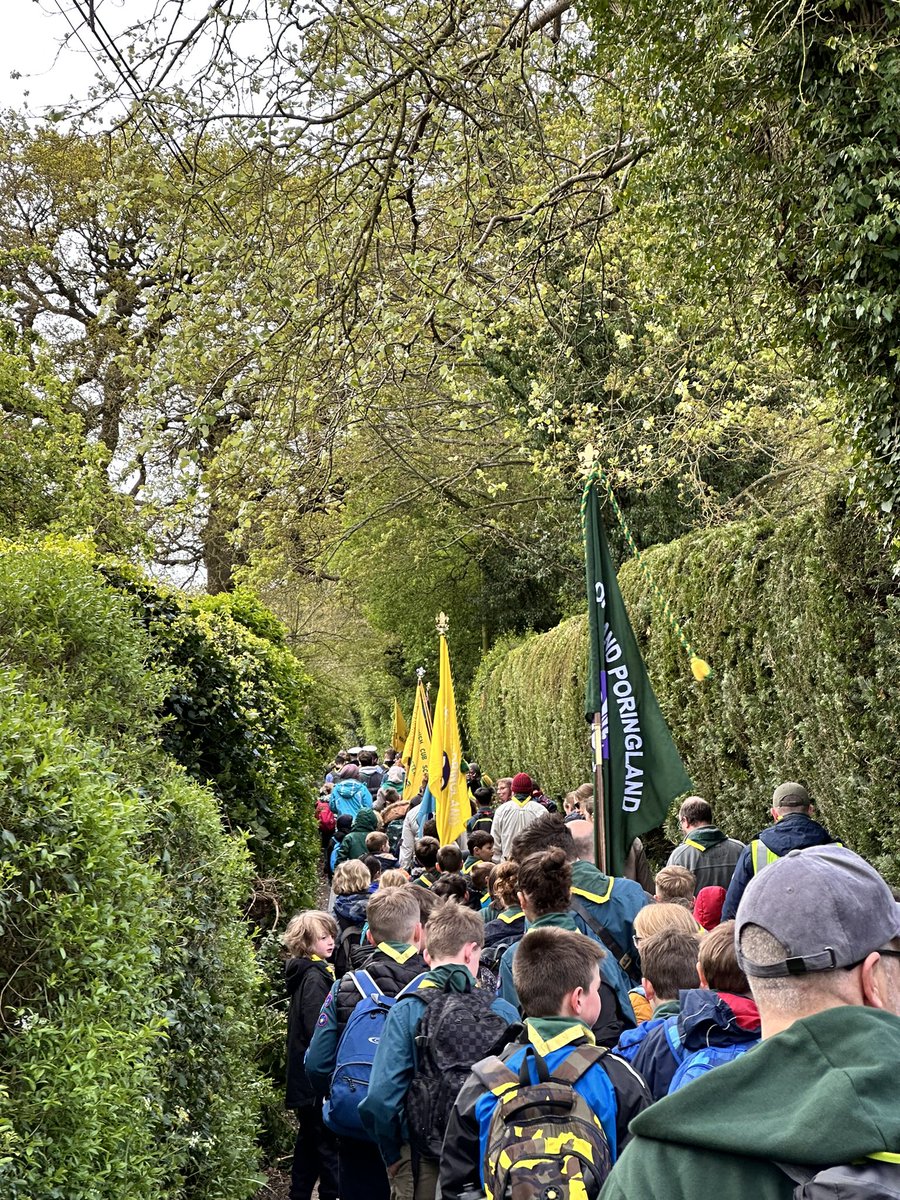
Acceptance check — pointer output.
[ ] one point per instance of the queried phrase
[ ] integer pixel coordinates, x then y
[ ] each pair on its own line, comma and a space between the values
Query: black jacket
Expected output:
795, 831
390, 976
307, 984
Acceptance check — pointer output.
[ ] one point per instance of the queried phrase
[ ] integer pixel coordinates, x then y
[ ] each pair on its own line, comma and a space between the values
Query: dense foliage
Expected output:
131, 993
801, 623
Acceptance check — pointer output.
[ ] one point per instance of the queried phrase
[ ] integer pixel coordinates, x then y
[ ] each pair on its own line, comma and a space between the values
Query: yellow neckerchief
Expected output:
575, 1032
597, 899
510, 915
328, 967
399, 956
522, 803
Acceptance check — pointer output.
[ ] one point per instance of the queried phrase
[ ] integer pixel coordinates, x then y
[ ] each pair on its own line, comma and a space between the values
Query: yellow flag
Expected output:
446, 781
415, 753
399, 732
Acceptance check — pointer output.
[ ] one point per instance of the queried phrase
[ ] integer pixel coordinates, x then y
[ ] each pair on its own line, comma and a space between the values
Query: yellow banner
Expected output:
399, 732
418, 744
446, 781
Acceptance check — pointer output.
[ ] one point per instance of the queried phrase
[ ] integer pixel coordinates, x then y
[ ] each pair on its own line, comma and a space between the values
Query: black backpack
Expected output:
349, 953
866, 1180
456, 1030
491, 955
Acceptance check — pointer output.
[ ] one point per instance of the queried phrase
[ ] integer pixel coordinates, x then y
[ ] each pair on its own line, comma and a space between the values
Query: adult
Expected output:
818, 936
504, 789
349, 795
636, 866
706, 851
794, 829
515, 815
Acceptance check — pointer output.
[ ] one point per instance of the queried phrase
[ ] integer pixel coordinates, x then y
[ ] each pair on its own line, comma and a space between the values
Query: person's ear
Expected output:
576, 1001
704, 983
649, 990
427, 957
369, 937
872, 981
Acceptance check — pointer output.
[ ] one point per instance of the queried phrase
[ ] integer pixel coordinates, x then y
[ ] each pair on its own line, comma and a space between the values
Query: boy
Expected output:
669, 963
453, 941
676, 885
426, 870
717, 1020
309, 940
450, 860
483, 817
395, 935
481, 849
560, 1006
479, 886
377, 844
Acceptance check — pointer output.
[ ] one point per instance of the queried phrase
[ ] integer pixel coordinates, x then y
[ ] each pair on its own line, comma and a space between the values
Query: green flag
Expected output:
639, 764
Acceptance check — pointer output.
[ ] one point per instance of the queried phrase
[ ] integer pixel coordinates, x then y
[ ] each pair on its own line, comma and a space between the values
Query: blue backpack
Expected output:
694, 1063
355, 1055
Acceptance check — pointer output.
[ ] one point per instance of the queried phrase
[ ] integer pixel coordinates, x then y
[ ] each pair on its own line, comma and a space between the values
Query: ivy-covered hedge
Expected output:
801, 623
130, 992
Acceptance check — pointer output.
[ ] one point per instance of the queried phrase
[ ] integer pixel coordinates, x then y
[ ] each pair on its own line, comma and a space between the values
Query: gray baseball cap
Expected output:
825, 904
793, 792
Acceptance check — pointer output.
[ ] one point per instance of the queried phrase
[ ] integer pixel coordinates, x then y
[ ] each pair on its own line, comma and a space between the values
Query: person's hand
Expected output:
394, 1168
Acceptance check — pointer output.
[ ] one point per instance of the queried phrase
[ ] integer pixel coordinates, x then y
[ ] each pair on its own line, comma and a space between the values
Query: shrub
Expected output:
801, 623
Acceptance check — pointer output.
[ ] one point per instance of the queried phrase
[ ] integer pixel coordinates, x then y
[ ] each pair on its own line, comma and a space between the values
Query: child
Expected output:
670, 968
351, 897
426, 870
717, 1021
479, 887
342, 826
675, 885
449, 860
452, 887
309, 940
453, 940
481, 849
509, 924
354, 844
560, 1005
393, 960
653, 919
377, 844
483, 817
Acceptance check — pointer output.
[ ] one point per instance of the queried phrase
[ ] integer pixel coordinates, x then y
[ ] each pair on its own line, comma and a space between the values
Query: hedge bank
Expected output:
130, 991
801, 623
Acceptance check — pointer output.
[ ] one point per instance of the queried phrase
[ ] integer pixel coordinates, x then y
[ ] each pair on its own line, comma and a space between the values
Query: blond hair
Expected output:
305, 929
394, 877
449, 928
351, 877
393, 915
654, 918
674, 884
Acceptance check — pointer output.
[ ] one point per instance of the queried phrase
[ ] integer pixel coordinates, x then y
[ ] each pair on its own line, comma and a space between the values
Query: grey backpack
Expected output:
870, 1179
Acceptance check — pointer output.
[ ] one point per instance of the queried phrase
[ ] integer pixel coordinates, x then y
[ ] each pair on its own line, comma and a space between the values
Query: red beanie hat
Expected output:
522, 785
708, 905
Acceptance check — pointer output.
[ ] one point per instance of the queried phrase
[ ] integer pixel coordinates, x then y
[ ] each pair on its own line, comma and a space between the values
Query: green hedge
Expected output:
801, 623
130, 993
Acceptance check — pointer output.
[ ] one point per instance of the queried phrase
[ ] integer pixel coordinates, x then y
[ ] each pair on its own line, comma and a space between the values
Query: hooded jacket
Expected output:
307, 982
709, 854
348, 796
822, 1092
351, 910
796, 831
706, 1018
354, 844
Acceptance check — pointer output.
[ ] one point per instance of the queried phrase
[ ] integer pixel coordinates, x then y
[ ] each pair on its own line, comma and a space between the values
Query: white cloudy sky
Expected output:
30, 45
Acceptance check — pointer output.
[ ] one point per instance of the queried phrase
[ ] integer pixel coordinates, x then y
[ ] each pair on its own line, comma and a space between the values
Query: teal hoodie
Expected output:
354, 844
823, 1092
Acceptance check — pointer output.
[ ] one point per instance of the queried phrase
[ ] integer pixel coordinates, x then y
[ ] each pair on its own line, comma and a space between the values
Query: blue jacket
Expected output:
706, 1019
631, 1040
348, 797
613, 1091
611, 973
382, 1111
613, 902
796, 831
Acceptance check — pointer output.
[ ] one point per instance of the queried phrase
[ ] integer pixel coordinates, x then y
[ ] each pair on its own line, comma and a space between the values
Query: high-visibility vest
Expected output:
761, 856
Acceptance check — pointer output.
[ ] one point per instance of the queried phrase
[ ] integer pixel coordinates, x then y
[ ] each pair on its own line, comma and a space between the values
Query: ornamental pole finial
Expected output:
442, 624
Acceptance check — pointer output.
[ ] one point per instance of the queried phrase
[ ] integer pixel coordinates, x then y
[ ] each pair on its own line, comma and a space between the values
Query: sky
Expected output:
30, 46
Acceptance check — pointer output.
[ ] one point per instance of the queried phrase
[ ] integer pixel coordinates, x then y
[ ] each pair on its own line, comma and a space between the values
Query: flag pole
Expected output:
599, 798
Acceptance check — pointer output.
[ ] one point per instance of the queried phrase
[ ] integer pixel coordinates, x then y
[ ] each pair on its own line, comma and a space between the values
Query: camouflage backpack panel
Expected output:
544, 1141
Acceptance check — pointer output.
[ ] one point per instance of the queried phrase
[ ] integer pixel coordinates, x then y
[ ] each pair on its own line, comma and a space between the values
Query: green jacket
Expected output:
822, 1092
354, 844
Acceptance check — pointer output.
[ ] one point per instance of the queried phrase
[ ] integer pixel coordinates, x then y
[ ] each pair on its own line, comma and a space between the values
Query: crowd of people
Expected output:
500, 1018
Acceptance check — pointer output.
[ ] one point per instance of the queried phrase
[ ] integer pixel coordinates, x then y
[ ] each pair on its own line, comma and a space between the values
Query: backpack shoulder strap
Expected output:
577, 1063
622, 957
673, 1037
365, 984
496, 1076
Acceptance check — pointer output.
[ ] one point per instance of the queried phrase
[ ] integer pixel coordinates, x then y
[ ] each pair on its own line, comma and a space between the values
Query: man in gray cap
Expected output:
818, 936
794, 829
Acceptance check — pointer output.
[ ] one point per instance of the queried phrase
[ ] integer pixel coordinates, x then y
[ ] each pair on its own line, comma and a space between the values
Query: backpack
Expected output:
866, 1180
695, 1063
544, 1139
348, 952
324, 815
455, 1031
491, 955
355, 1055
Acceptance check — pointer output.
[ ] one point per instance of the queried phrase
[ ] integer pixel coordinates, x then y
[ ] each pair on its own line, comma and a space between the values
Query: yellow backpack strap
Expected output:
761, 855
